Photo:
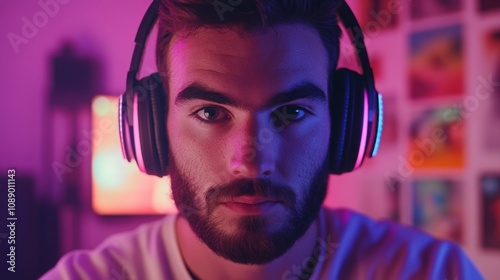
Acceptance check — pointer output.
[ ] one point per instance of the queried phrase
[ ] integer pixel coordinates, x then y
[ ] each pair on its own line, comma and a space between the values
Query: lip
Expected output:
251, 205
246, 199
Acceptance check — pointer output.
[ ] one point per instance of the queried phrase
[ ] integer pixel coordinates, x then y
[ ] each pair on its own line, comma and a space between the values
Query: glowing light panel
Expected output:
118, 187
101, 106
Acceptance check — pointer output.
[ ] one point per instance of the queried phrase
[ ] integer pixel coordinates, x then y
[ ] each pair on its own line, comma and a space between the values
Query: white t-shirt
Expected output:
350, 246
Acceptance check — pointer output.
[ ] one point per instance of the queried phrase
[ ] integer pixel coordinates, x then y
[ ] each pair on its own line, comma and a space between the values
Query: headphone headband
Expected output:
148, 21
351, 23
356, 117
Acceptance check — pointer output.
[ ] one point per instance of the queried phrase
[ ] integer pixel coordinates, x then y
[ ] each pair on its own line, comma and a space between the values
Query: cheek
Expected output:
303, 153
196, 150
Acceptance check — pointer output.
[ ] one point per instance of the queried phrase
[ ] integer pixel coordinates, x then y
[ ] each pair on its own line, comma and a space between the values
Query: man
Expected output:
249, 129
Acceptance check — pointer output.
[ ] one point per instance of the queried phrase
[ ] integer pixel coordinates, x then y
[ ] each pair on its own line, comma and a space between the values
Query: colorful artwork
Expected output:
490, 201
376, 15
487, 90
437, 67
437, 139
437, 208
118, 187
427, 8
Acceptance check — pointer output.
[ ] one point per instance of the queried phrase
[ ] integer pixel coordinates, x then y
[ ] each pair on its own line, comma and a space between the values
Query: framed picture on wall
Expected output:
488, 89
437, 207
427, 8
437, 139
436, 63
377, 15
490, 214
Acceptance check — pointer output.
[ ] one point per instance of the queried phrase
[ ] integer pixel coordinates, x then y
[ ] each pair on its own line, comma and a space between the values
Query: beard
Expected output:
253, 241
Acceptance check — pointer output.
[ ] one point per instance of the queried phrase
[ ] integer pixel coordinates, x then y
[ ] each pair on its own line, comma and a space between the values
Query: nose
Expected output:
253, 150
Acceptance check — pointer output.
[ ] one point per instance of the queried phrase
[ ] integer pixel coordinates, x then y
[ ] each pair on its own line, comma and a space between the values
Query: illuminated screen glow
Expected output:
118, 187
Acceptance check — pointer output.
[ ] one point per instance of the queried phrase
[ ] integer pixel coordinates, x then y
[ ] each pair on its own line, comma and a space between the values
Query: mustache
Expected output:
251, 187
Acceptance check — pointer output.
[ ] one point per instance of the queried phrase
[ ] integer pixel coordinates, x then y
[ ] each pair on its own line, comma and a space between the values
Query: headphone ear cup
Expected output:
159, 102
348, 117
150, 134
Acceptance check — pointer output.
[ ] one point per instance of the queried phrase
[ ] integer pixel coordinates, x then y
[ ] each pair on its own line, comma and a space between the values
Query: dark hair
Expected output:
249, 15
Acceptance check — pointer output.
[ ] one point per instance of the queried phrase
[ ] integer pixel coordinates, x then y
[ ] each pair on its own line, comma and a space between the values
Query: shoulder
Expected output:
353, 225
392, 251
124, 255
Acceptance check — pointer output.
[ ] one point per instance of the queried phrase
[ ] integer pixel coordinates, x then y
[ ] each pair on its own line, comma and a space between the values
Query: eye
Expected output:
295, 112
288, 114
211, 114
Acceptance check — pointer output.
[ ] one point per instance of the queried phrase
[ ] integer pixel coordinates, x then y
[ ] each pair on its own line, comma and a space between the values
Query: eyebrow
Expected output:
305, 90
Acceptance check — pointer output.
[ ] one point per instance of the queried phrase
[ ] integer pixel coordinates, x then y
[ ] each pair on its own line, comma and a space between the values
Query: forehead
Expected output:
256, 64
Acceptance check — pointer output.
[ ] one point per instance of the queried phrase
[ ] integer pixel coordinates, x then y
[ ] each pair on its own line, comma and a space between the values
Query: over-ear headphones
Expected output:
355, 108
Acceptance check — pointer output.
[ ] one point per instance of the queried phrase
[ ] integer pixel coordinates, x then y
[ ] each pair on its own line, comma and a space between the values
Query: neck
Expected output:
205, 264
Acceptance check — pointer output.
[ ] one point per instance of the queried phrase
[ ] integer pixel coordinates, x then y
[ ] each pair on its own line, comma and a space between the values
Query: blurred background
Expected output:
437, 63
